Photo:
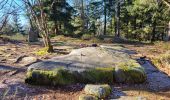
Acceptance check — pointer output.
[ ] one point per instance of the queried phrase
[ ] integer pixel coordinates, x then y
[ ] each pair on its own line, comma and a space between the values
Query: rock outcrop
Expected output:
88, 65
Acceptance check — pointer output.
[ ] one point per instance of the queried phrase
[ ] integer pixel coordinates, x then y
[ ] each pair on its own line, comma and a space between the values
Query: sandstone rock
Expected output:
90, 65
132, 98
32, 35
87, 97
100, 91
24, 60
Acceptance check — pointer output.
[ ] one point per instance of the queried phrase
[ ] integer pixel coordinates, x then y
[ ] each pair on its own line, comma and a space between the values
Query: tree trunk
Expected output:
115, 27
168, 38
60, 26
134, 23
153, 31
82, 15
118, 20
47, 43
49, 46
56, 27
111, 24
105, 19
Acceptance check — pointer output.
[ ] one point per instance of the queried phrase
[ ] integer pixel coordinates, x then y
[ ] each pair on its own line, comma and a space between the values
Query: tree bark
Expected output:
105, 18
134, 23
82, 15
153, 31
168, 31
56, 27
117, 34
40, 22
47, 43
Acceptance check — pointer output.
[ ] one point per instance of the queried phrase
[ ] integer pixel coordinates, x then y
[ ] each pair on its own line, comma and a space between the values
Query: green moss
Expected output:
107, 89
41, 52
57, 77
100, 91
63, 77
134, 73
98, 75
87, 97
135, 76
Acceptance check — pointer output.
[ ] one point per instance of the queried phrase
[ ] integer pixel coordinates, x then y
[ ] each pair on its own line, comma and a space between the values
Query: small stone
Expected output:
132, 98
87, 97
83, 45
27, 61
94, 45
100, 91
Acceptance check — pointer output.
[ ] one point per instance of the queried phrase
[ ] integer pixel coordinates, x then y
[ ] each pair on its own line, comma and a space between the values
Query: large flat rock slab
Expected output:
89, 65
89, 57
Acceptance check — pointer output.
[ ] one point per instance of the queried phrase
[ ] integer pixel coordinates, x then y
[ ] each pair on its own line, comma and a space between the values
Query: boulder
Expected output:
100, 91
88, 65
33, 35
26, 60
87, 97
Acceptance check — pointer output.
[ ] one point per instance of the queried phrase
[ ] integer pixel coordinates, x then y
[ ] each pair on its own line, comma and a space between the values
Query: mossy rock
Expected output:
87, 65
97, 75
63, 76
87, 97
56, 77
100, 91
130, 72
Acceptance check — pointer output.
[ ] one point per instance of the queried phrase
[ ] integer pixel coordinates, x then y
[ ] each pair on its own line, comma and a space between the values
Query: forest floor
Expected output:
12, 73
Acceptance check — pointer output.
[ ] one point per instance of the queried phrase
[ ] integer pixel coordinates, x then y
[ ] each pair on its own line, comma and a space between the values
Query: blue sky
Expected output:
20, 6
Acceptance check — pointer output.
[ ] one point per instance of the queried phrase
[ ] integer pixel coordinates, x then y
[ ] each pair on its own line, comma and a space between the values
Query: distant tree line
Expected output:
143, 20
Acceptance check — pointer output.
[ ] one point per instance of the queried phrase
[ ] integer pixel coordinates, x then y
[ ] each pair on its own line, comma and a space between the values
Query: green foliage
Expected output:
87, 36
144, 20
42, 52
17, 36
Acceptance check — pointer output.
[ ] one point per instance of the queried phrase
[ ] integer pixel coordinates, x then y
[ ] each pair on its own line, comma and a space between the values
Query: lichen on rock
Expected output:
88, 65
130, 72
100, 91
97, 75
59, 76
87, 97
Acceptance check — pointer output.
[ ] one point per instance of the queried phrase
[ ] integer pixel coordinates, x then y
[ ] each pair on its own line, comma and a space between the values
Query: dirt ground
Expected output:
12, 75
